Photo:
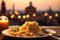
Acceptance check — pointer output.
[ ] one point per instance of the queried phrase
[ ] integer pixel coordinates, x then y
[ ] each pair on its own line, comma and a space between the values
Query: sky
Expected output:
39, 4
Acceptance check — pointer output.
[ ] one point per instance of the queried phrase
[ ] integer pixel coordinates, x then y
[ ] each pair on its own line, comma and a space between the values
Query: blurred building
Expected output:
30, 9
13, 14
3, 8
43, 17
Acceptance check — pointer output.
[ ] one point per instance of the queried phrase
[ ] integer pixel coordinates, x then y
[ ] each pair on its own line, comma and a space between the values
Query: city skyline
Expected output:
39, 4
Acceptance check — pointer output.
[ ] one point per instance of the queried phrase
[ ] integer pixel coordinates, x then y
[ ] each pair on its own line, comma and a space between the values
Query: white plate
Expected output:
14, 26
5, 32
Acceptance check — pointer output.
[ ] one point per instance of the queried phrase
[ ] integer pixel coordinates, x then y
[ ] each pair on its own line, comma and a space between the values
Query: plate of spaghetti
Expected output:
29, 29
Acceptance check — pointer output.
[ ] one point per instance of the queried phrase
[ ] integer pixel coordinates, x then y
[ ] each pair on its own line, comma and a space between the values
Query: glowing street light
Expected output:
50, 17
46, 14
27, 16
34, 14
12, 16
56, 15
24, 16
19, 16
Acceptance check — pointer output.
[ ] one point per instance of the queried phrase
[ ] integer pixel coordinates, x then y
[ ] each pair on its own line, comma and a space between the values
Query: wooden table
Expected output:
56, 28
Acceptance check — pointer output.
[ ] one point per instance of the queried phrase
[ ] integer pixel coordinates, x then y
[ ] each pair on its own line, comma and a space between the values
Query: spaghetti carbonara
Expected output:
28, 29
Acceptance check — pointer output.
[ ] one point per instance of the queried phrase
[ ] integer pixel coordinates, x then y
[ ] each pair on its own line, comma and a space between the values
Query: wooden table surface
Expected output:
56, 28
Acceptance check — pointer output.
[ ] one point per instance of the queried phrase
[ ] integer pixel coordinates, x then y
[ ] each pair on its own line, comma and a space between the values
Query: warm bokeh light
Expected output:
56, 15
50, 17
34, 14
27, 16
24, 16
17, 13
46, 14
12, 16
19, 16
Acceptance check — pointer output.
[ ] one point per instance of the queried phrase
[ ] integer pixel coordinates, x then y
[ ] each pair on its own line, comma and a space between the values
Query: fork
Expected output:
56, 36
